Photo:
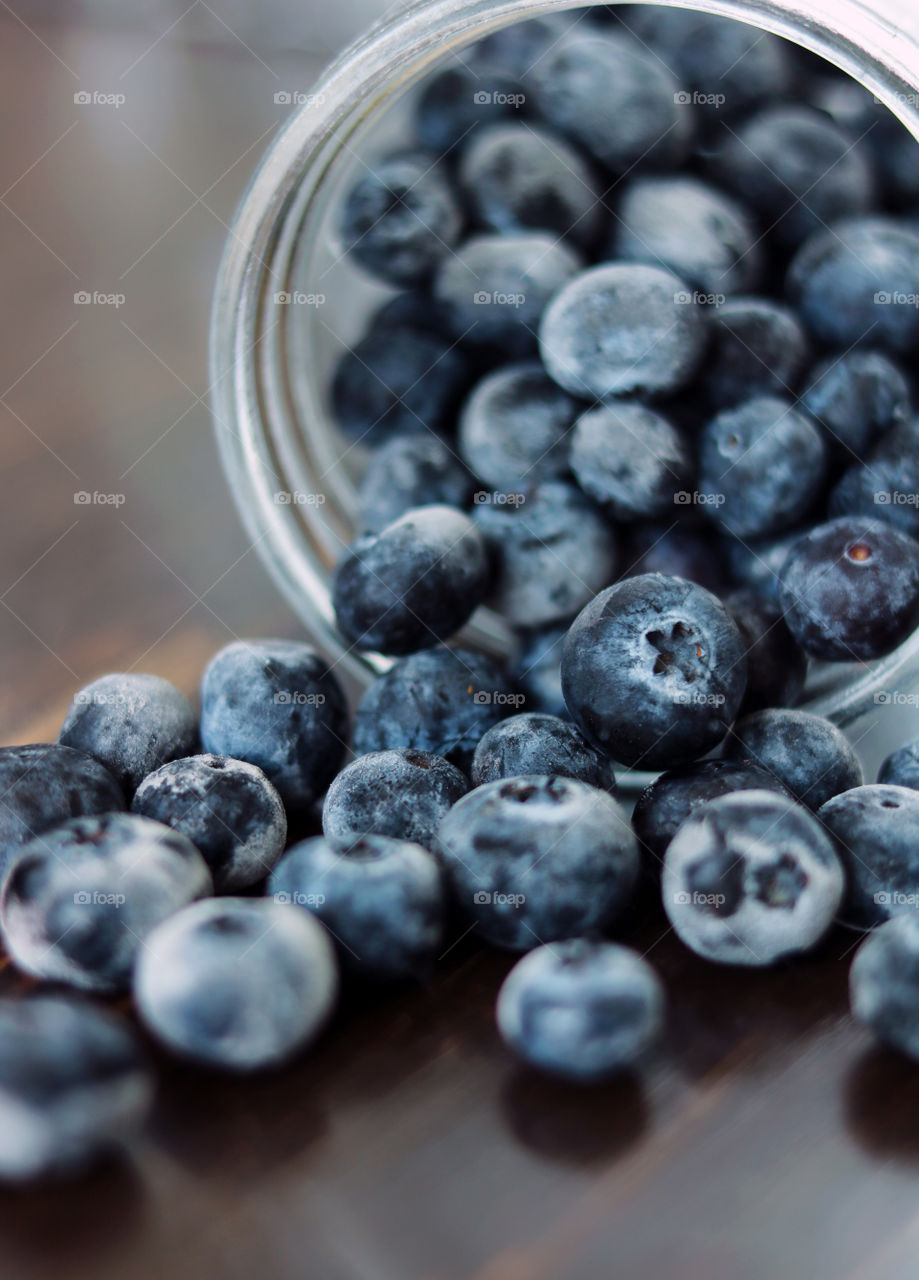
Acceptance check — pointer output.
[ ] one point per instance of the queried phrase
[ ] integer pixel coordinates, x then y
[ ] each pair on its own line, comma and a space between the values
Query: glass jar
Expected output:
287, 302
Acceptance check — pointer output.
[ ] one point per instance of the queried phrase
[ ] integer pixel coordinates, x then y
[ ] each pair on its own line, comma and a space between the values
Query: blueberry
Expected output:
776, 663
757, 347
856, 397
397, 381
886, 484
382, 901
74, 1085
402, 794
850, 589
79, 902
690, 228
518, 178
750, 879
761, 467
400, 218
680, 550
901, 767
495, 288
42, 785
884, 984
439, 700
131, 724
240, 984
411, 471
551, 553
876, 830
653, 671
538, 859
581, 1010
629, 459
796, 168
228, 810
413, 584
458, 100
852, 284
513, 429
276, 704
537, 668
543, 744
807, 753
612, 97
756, 564
674, 796
519, 46
621, 328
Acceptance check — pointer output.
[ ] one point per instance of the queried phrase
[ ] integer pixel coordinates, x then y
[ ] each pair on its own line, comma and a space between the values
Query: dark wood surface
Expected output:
767, 1140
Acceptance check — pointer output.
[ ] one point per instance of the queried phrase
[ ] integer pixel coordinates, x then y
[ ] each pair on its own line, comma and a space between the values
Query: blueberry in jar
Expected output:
411, 471
807, 753
757, 347
630, 459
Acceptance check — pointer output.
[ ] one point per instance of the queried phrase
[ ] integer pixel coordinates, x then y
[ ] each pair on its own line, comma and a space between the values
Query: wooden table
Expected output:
767, 1141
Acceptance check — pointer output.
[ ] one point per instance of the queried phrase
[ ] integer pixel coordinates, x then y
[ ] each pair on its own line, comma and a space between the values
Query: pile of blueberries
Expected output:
677, 482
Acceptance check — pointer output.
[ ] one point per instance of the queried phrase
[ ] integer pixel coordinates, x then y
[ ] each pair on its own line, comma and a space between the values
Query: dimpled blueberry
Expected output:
42, 785
519, 178
413, 584
276, 704
550, 554
613, 98
401, 218
537, 669
79, 902
397, 381
131, 724
884, 984
761, 467
513, 429
807, 753
581, 1010
886, 484
750, 879
901, 767
653, 671
411, 471
776, 663
439, 700
622, 327
402, 794
382, 901
629, 459
876, 830
457, 101
796, 169
495, 288
850, 589
241, 984
856, 397
853, 284
757, 347
228, 810
542, 744
690, 228
74, 1085
664, 806
537, 859
679, 550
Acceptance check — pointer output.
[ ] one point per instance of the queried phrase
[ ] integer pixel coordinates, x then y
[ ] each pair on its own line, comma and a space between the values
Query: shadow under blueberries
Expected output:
575, 1124
882, 1105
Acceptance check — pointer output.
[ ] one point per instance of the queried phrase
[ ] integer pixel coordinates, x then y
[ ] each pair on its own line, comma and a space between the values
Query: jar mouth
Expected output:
282, 457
